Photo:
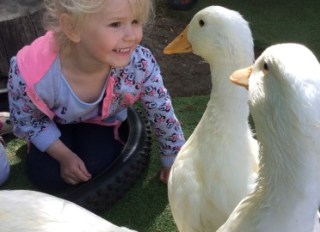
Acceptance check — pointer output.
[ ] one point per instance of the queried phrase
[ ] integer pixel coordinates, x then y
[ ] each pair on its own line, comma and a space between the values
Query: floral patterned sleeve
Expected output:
157, 102
28, 121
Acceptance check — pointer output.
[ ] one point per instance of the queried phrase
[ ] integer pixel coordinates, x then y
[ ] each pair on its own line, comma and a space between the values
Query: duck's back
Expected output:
31, 211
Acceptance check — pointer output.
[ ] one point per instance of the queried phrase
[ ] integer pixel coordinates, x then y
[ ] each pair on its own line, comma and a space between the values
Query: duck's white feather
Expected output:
284, 90
214, 169
31, 211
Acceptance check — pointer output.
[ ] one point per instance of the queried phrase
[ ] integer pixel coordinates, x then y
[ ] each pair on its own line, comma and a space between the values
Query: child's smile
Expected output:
123, 51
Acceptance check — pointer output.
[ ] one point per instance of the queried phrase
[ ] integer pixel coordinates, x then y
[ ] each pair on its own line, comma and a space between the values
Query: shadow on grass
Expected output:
139, 209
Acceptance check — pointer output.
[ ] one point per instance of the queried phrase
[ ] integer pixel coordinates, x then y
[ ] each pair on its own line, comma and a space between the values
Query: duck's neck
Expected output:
226, 98
288, 187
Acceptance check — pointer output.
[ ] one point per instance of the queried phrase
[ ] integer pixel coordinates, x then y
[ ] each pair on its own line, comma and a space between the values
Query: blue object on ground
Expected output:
182, 5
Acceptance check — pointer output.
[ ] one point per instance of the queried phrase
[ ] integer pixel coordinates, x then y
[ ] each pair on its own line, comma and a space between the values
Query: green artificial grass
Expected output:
145, 207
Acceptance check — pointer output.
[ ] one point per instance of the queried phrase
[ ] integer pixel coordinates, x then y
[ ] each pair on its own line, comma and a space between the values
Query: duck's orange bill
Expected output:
241, 77
179, 45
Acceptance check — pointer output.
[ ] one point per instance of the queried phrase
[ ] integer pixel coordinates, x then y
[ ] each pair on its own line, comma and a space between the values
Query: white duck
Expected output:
31, 211
284, 90
214, 169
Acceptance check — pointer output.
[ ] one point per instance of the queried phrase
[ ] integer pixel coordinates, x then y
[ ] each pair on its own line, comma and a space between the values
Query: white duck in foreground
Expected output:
31, 211
214, 169
284, 90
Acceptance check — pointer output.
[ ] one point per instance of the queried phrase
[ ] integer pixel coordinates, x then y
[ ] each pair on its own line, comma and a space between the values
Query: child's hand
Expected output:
73, 170
164, 175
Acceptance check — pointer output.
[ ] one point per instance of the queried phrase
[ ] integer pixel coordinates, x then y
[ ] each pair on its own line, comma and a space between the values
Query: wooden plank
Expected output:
3, 60
16, 33
13, 38
37, 20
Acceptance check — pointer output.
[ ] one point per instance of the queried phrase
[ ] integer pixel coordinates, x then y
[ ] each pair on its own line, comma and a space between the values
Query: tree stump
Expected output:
20, 24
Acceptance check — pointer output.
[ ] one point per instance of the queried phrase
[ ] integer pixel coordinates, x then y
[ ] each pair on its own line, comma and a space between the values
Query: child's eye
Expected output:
115, 24
135, 21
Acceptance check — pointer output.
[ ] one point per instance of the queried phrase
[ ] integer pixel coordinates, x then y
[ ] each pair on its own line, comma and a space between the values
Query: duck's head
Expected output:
285, 78
215, 33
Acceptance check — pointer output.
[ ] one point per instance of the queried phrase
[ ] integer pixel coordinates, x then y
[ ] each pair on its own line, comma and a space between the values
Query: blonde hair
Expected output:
80, 9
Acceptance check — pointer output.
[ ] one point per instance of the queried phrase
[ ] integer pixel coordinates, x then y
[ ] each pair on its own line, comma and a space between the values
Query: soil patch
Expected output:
183, 74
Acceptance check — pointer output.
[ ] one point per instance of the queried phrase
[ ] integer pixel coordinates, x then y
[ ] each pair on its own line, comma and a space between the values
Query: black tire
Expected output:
177, 5
99, 194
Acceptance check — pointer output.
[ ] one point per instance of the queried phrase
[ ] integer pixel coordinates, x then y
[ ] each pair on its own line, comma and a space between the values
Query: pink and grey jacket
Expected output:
40, 96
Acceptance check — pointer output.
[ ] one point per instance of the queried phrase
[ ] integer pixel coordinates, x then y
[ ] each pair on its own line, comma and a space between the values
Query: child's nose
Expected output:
129, 32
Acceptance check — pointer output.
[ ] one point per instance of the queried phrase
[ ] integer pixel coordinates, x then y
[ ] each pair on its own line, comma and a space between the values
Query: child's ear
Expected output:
69, 28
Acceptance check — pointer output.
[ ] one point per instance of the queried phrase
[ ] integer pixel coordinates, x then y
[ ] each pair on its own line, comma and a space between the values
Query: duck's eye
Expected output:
265, 66
201, 23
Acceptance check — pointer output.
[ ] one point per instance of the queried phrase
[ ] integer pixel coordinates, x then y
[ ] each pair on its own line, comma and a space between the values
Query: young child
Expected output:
69, 90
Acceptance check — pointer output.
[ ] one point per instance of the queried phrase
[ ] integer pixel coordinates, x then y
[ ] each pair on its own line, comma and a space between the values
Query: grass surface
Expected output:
145, 207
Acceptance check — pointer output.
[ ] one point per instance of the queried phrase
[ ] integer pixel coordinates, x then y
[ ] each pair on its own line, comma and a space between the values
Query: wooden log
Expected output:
20, 24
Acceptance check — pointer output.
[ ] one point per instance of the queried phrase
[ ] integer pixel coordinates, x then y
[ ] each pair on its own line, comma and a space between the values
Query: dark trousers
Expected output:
94, 144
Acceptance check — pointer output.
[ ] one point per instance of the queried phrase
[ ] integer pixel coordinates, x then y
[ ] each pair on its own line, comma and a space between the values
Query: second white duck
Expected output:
284, 90
215, 169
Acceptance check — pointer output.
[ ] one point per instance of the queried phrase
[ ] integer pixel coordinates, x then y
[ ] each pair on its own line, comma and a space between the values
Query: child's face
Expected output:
111, 35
